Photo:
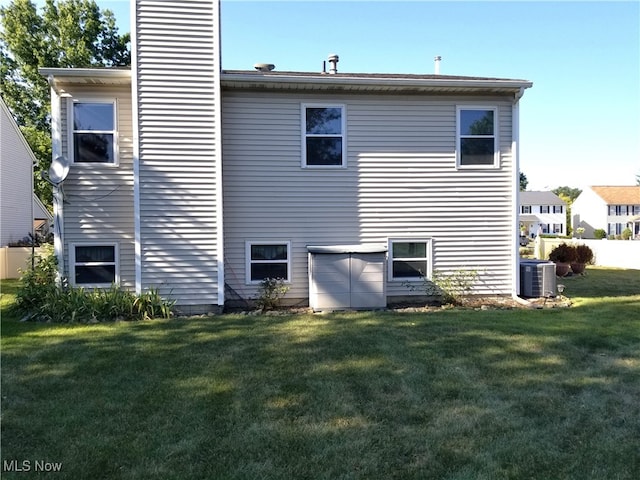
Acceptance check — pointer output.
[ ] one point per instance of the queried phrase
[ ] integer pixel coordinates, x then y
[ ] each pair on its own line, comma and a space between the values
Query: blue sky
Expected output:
580, 123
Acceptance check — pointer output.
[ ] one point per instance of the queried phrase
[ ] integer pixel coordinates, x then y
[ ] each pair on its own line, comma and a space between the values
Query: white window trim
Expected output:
496, 140
248, 261
304, 135
71, 131
429, 256
72, 263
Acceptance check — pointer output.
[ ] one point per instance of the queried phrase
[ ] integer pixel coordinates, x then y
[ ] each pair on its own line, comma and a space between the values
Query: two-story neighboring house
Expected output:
542, 212
203, 182
610, 208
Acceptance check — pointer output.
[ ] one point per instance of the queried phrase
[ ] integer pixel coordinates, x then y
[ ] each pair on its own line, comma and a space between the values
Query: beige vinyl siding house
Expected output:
223, 178
16, 181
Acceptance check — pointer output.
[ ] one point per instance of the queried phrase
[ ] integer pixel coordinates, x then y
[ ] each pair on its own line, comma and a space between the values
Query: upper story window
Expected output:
94, 132
525, 209
268, 260
557, 209
323, 138
544, 208
477, 137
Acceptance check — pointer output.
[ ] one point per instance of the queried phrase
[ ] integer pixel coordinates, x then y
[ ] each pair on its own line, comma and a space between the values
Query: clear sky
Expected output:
580, 123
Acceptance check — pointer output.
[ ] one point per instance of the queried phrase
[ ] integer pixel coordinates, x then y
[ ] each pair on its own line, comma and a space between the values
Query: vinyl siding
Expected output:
401, 181
98, 199
16, 181
177, 84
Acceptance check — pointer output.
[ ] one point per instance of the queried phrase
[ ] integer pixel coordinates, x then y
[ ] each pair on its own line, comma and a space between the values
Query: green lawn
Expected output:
451, 394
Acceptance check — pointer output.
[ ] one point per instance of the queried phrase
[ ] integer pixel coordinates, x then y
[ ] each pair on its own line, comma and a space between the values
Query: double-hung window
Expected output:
557, 209
323, 136
525, 209
94, 265
268, 260
409, 259
544, 208
477, 139
94, 132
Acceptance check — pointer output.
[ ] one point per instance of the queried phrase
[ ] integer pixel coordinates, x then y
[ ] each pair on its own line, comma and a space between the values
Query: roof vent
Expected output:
437, 64
264, 67
333, 60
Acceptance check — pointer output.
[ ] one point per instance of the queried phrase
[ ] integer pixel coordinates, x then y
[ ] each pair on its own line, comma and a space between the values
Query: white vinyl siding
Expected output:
401, 181
176, 83
98, 198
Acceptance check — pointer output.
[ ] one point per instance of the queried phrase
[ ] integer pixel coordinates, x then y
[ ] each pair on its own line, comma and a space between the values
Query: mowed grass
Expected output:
451, 394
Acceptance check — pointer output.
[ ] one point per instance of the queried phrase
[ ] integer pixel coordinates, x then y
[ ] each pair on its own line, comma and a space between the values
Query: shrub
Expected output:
563, 253
270, 293
40, 298
450, 287
584, 255
599, 233
626, 234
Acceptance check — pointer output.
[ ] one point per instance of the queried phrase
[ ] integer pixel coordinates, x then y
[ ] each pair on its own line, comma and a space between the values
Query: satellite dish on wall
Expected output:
59, 170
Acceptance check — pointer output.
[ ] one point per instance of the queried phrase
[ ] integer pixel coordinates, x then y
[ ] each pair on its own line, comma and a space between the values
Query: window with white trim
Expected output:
94, 131
557, 209
409, 259
544, 209
557, 228
525, 209
94, 265
268, 260
476, 143
323, 136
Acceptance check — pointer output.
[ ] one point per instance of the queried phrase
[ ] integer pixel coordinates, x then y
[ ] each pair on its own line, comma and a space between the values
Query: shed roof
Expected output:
540, 198
618, 195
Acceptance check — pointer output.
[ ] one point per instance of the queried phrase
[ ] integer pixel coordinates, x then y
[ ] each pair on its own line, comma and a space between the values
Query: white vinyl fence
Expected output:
607, 253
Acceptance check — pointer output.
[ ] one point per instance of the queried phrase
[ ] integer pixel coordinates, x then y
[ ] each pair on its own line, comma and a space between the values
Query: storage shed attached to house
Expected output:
345, 277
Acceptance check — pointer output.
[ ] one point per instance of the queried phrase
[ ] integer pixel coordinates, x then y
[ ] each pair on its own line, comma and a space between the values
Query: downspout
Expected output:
218, 162
136, 146
515, 152
58, 197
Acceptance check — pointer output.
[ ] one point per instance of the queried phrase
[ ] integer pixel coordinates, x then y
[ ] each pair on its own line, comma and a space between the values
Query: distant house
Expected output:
542, 212
203, 182
16, 181
610, 208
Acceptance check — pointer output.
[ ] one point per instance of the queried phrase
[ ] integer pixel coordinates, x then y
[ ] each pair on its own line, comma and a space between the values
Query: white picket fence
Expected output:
607, 253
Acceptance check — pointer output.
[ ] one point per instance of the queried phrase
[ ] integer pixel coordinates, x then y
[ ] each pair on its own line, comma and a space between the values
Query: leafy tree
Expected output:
570, 193
69, 33
523, 182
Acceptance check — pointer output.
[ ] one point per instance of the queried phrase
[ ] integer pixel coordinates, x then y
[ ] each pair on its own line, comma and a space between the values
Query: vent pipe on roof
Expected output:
264, 67
333, 60
437, 64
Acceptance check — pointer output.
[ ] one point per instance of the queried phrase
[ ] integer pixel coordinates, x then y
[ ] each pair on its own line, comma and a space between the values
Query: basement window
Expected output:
323, 139
409, 259
94, 265
267, 260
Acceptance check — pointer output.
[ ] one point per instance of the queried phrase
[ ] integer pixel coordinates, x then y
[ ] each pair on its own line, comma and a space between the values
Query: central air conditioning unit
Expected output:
537, 278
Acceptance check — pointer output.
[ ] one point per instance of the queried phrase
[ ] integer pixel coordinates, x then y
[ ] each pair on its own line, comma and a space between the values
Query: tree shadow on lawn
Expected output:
536, 394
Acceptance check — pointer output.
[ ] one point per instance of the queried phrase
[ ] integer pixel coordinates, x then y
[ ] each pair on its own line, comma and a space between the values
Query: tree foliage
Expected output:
523, 182
568, 194
67, 33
